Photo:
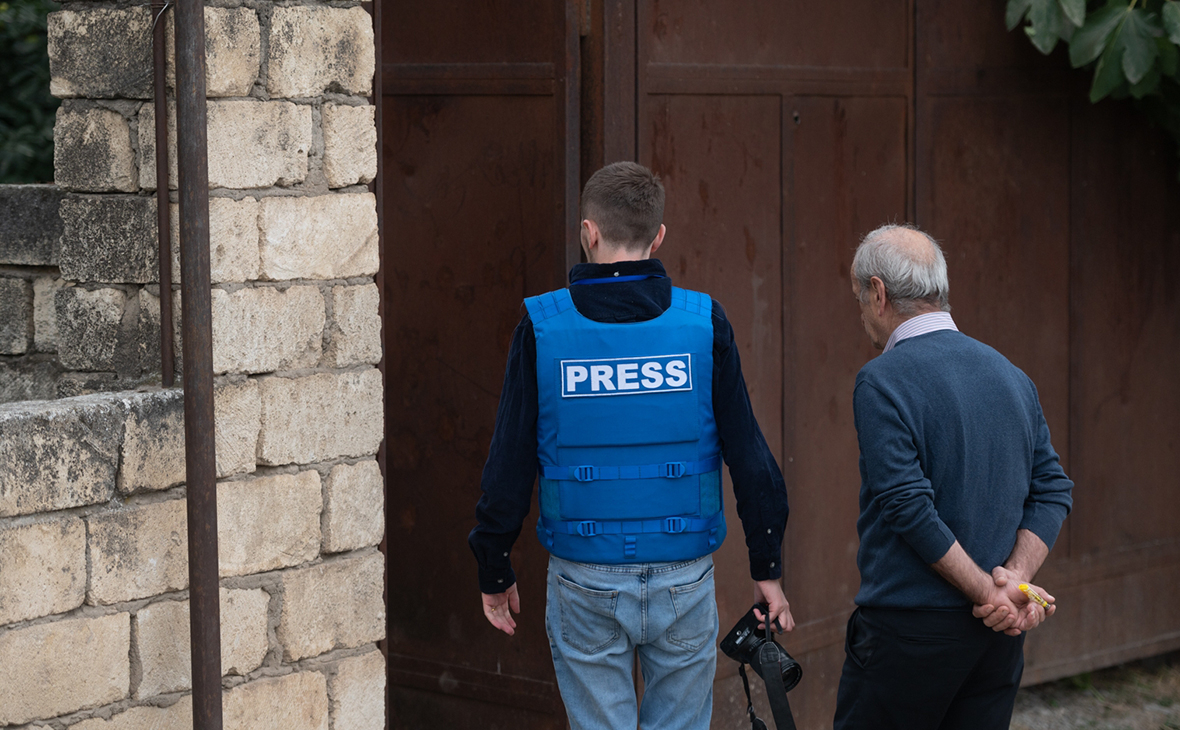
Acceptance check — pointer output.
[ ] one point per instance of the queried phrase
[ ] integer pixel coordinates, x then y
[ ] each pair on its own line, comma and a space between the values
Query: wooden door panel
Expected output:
848, 34
848, 176
481, 169
719, 158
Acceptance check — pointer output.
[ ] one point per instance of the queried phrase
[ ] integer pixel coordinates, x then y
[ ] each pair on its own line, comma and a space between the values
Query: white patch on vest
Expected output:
626, 375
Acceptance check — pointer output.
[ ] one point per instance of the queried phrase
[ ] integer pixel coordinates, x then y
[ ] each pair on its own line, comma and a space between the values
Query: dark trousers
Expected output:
919, 670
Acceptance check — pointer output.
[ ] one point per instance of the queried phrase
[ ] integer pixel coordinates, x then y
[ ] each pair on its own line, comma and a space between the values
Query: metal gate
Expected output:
783, 131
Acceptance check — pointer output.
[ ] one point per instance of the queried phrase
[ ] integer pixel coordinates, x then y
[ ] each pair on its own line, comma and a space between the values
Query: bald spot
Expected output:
914, 244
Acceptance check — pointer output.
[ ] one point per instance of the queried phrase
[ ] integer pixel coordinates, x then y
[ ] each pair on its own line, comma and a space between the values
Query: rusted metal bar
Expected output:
163, 214
193, 169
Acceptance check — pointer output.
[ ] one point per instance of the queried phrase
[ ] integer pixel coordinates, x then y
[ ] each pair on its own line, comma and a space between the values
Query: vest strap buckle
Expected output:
584, 473
588, 528
675, 525
674, 469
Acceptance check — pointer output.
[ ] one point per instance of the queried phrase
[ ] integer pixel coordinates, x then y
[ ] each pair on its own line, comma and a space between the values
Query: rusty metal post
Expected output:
163, 213
193, 168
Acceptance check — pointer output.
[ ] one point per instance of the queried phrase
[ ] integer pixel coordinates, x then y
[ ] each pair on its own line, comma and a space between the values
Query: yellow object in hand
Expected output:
1033, 595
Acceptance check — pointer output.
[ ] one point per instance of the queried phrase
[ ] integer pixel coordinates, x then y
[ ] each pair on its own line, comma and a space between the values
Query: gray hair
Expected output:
911, 279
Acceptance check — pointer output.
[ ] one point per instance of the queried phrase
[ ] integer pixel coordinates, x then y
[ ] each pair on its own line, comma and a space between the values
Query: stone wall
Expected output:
93, 573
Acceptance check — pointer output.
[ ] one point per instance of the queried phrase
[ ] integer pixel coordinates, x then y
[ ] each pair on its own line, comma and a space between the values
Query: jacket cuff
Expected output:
493, 581
766, 568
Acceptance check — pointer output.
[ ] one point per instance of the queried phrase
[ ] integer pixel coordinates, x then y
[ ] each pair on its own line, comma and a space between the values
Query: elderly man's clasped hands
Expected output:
1011, 610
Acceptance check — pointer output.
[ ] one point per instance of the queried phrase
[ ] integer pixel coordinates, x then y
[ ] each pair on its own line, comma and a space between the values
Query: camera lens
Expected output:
791, 671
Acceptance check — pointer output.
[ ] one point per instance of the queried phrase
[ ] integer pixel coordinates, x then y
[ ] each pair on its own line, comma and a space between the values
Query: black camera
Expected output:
743, 644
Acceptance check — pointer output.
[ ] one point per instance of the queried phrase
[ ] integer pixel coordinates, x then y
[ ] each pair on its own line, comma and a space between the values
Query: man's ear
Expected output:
590, 236
880, 299
655, 245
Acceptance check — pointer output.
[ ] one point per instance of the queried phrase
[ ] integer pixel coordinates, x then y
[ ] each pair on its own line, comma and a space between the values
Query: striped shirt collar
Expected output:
920, 325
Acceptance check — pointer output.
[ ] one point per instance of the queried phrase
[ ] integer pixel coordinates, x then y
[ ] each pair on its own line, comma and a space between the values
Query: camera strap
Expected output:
768, 657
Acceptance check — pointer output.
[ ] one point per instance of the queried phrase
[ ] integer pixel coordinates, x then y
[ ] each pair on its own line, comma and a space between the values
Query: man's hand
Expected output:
1023, 615
496, 607
770, 592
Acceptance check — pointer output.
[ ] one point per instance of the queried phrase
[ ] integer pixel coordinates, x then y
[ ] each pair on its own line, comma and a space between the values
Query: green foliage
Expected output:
1133, 44
26, 108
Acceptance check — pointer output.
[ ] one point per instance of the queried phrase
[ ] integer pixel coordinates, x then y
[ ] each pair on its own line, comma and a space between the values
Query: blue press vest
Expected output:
629, 458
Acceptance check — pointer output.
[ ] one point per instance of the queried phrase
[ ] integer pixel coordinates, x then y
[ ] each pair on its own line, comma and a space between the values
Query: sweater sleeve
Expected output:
893, 474
1050, 493
511, 468
759, 490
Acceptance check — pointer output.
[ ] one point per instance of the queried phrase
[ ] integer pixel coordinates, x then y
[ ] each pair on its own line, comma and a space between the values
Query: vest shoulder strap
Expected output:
549, 304
693, 302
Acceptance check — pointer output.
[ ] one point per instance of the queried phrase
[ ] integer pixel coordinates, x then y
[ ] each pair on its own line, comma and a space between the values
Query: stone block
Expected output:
354, 517
137, 552
263, 329
314, 49
358, 693
233, 240
89, 327
178, 716
101, 53
237, 413
109, 239
72, 385
355, 335
319, 237
61, 667
333, 605
153, 442
320, 417
30, 227
16, 316
232, 51
92, 151
295, 702
58, 454
350, 144
42, 569
252, 144
162, 640
28, 378
139, 352
45, 313
268, 522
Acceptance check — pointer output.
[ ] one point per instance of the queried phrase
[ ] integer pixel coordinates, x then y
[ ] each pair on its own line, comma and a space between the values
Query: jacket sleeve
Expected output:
511, 468
758, 486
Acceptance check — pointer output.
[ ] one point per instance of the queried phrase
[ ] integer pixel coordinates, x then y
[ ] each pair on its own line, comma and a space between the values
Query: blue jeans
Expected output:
599, 616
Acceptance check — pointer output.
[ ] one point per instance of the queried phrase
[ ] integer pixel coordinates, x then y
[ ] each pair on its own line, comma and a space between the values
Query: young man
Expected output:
624, 393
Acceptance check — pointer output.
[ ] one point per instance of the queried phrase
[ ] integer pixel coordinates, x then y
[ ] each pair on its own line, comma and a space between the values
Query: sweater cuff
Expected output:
932, 545
492, 581
1044, 520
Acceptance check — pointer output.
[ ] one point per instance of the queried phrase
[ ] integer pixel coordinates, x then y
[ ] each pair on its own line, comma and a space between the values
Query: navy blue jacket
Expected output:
953, 446
511, 469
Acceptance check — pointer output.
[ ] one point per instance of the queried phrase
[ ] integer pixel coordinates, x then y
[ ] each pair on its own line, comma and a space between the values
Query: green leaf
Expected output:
1016, 12
1171, 15
1169, 56
1090, 40
1109, 74
1137, 37
1148, 84
1074, 11
1048, 24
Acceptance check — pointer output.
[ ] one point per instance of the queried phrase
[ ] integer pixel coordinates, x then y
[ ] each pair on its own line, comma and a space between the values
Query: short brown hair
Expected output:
626, 200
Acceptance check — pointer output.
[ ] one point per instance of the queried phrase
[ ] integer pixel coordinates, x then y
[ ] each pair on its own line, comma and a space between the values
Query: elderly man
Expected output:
961, 499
